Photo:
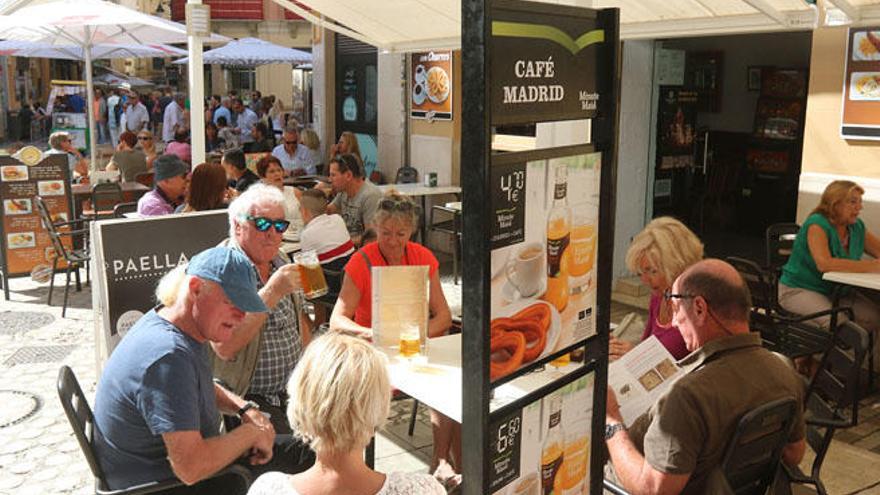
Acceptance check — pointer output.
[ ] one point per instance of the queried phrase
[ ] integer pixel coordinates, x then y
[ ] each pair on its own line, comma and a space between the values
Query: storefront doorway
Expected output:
728, 126
356, 96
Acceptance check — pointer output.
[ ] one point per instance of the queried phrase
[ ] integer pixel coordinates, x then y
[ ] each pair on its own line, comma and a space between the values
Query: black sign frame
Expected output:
477, 159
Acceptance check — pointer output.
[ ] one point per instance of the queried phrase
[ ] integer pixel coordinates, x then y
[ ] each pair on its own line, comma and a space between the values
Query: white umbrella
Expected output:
251, 52
117, 80
87, 23
16, 48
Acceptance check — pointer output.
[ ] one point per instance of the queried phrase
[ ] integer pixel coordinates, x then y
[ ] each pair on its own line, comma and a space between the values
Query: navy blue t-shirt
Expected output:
158, 380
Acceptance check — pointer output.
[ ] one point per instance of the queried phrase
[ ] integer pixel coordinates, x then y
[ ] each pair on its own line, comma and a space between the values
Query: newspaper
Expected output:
641, 376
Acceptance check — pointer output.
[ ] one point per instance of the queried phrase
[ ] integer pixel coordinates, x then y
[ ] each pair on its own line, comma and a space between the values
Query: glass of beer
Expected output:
311, 274
410, 341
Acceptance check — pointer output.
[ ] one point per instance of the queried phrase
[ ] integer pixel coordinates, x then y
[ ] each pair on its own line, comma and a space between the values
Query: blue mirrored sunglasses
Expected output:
263, 224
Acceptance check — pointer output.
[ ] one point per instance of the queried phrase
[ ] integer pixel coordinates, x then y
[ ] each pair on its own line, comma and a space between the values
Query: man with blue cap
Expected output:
157, 408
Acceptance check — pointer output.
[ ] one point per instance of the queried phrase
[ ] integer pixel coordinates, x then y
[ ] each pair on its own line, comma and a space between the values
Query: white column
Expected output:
90, 102
196, 77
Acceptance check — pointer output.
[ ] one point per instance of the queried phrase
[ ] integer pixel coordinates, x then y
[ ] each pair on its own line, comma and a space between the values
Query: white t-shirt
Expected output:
275, 483
173, 117
291, 208
327, 236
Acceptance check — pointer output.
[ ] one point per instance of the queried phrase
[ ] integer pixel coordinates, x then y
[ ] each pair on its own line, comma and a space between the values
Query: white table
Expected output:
864, 280
421, 191
437, 383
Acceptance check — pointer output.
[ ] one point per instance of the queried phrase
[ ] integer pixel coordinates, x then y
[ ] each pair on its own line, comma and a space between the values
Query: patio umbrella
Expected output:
16, 48
87, 23
251, 52
109, 79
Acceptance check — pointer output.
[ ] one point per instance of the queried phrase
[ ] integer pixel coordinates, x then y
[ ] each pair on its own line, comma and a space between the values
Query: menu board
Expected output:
131, 255
544, 63
26, 243
399, 308
544, 447
431, 85
543, 237
861, 85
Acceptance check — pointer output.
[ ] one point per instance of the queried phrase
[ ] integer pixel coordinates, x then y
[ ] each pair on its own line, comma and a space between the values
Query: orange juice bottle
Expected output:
552, 454
558, 238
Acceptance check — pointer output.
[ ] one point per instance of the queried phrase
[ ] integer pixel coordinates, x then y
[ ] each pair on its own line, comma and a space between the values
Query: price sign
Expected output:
508, 204
505, 437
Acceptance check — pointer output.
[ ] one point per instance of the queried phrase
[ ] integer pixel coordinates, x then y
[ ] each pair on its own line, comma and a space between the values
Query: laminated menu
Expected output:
641, 377
25, 242
400, 308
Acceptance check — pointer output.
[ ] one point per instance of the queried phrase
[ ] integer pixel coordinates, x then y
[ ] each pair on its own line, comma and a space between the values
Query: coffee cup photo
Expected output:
526, 269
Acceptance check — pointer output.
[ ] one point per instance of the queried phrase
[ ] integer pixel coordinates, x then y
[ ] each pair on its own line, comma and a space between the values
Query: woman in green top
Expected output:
832, 239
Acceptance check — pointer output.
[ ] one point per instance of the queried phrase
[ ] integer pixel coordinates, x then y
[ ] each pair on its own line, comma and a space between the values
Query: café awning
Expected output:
413, 25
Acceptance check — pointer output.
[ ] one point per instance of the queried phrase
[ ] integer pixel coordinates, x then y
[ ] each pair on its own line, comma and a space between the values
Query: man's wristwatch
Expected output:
611, 430
247, 407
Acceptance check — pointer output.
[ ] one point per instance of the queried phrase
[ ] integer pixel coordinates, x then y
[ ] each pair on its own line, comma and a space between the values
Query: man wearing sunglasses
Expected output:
294, 155
357, 199
259, 358
676, 447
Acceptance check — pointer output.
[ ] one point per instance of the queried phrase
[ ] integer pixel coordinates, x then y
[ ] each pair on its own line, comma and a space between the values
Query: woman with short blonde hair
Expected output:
340, 397
659, 254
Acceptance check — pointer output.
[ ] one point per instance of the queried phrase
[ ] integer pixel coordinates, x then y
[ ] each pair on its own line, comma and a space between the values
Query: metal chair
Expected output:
104, 197
121, 209
74, 258
832, 398
778, 242
451, 226
751, 459
82, 420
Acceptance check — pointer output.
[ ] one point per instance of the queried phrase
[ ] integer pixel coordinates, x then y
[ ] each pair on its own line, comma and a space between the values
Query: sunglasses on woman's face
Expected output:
144, 138
263, 224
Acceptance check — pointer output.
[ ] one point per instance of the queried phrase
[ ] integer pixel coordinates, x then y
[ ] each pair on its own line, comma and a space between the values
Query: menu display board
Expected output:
544, 233
559, 425
861, 85
131, 255
25, 242
400, 309
431, 85
544, 65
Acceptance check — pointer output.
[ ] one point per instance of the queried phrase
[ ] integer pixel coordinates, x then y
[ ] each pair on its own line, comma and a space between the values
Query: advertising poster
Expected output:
544, 447
25, 242
543, 239
431, 85
861, 85
133, 254
676, 128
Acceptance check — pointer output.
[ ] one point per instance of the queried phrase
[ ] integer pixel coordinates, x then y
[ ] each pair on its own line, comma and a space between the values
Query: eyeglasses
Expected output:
668, 295
144, 138
263, 224
291, 143
396, 204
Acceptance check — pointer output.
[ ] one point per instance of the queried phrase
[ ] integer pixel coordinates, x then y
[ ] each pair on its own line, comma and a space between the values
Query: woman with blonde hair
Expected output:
148, 146
340, 397
832, 239
659, 254
347, 144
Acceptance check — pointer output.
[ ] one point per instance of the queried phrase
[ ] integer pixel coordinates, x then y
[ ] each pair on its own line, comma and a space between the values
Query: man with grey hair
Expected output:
258, 360
677, 446
173, 117
295, 157
136, 115
156, 406
61, 144
223, 111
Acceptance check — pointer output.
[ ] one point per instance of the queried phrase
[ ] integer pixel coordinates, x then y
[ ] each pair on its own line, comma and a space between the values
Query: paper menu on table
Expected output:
641, 376
400, 299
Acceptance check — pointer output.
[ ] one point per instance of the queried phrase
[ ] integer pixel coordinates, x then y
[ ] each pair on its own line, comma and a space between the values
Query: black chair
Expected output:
833, 398
121, 209
406, 175
751, 459
144, 178
778, 242
450, 225
73, 258
104, 197
81, 419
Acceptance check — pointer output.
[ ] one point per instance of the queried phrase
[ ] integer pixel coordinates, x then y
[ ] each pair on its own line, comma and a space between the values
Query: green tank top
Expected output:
800, 271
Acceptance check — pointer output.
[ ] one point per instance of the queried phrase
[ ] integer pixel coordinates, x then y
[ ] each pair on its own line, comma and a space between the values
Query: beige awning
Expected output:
412, 25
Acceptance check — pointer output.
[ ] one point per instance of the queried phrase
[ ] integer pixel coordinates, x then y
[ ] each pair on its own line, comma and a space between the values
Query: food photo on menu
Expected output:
17, 206
50, 187
19, 240
12, 173
543, 260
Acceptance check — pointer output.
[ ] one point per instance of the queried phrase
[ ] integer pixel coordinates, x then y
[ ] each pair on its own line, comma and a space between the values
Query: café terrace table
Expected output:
870, 281
421, 191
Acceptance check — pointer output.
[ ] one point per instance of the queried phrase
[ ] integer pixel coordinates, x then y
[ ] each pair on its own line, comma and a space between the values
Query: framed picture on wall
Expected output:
753, 79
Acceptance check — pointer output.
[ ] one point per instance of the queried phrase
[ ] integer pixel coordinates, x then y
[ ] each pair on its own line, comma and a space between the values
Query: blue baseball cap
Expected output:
231, 270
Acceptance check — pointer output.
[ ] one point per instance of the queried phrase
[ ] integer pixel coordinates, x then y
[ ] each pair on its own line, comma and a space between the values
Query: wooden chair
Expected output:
74, 258
832, 398
82, 420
